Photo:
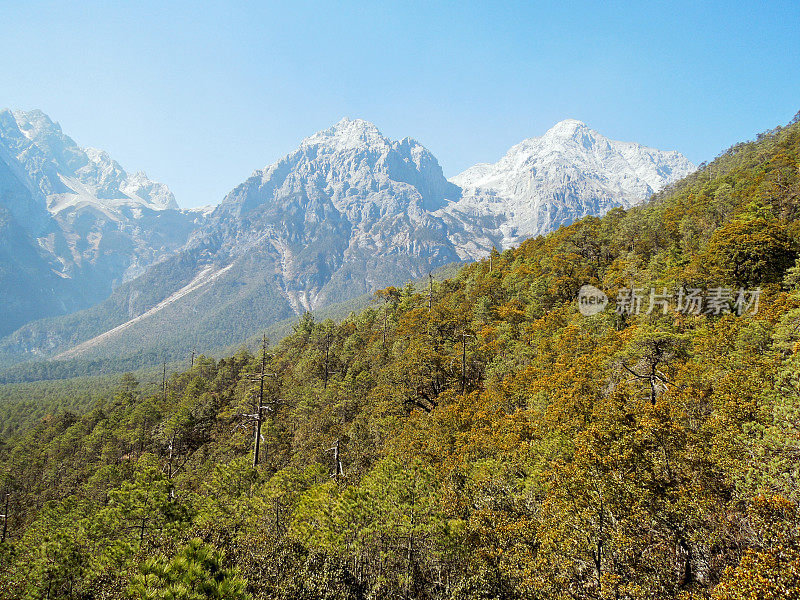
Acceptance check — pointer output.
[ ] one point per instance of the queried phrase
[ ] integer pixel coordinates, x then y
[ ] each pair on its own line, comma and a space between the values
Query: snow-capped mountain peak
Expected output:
568, 128
568, 173
114, 183
54, 162
95, 224
352, 163
348, 134
36, 125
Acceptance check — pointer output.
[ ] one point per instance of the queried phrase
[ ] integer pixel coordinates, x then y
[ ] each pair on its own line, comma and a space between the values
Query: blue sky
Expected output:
201, 94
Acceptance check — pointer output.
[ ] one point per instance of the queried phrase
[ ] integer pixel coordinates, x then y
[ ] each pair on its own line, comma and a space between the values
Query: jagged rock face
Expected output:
28, 209
30, 286
348, 209
568, 173
89, 221
66, 173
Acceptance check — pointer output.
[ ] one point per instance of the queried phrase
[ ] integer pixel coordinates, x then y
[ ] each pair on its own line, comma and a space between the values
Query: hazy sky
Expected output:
199, 95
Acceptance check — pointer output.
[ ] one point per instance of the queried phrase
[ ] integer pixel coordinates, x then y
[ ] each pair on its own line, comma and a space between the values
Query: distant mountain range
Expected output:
346, 213
76, 223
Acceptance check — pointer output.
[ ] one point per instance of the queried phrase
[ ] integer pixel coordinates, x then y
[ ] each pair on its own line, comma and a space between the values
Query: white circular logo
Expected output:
591, 300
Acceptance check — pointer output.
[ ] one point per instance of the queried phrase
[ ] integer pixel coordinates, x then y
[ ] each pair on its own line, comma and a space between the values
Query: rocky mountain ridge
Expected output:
349, 211
90, 223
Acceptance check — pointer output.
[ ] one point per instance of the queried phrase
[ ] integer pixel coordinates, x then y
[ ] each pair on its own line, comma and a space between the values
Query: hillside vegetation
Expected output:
108, 358
494, 443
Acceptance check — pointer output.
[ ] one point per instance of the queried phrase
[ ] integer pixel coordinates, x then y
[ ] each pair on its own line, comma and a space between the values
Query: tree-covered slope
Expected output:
493, 441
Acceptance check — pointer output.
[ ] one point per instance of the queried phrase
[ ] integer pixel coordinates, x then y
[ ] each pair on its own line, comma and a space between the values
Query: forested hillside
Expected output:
492, 441
141, 361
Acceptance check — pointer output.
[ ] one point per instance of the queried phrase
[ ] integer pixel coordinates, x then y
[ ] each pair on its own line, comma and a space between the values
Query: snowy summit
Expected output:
568, 173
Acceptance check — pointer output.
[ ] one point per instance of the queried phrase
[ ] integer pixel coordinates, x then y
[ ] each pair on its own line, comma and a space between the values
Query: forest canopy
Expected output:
477, 439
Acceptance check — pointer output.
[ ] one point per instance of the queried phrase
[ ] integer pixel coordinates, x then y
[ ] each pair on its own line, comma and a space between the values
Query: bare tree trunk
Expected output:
5, 519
